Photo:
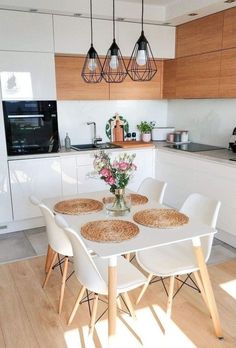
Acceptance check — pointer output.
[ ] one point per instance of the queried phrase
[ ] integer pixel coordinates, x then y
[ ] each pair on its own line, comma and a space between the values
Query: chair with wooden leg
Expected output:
179, 259
152, 188
92, 273
58, 243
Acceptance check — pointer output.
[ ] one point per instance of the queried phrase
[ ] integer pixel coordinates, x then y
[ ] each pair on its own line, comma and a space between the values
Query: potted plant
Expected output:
146, 128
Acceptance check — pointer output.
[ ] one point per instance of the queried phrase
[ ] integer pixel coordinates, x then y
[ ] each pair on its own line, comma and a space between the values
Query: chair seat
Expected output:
174, 259
128, 276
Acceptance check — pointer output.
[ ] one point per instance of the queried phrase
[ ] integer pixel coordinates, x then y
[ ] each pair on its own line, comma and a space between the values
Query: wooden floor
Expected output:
28, 316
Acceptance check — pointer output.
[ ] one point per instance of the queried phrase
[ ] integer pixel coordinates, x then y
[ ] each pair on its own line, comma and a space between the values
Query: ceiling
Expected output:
160, 12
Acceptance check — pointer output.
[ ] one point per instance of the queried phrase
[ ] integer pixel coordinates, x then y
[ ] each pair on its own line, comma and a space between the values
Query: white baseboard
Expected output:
16, 226
226, 237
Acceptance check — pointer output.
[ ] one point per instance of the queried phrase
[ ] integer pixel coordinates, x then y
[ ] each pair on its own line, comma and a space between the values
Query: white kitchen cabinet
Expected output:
27, 76
185, 175
40, 177
69, 176
5, 196
160, 38
22, 31
72, 35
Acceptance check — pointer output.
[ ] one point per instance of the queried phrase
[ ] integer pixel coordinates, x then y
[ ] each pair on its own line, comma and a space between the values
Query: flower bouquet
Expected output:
116, 174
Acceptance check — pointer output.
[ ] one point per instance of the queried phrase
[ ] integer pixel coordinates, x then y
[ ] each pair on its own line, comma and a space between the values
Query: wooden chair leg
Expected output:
76, 306
170, 296
208, 290
93, 316
49, 257
129, 305
144, 288
49, 270
63, 283
118, 301
127, 256
201, 288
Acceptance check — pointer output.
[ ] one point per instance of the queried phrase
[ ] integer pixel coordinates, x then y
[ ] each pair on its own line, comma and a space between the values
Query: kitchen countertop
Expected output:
221, 156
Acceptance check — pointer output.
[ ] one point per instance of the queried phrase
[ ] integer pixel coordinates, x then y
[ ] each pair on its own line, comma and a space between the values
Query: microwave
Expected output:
31, 127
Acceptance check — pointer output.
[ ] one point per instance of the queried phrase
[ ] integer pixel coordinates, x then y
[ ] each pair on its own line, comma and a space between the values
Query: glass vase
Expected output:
120, 205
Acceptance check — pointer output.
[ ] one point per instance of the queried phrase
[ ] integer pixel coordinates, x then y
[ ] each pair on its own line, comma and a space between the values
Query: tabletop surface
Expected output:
148, 237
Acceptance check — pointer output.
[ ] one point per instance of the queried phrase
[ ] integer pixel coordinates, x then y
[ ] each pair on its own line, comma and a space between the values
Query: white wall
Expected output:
209, 121
73, 115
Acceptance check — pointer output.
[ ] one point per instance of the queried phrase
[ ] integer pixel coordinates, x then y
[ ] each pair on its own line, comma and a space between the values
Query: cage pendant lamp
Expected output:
92, 68
114, 69
142, 65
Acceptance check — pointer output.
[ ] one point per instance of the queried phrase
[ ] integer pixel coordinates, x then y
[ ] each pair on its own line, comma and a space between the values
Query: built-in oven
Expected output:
31, 127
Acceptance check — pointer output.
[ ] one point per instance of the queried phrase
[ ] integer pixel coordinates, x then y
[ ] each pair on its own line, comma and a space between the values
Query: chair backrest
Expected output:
153, 188
205, 210
85, 268
57, 238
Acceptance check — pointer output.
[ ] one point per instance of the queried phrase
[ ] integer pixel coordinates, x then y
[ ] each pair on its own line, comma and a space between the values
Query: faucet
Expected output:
95, 139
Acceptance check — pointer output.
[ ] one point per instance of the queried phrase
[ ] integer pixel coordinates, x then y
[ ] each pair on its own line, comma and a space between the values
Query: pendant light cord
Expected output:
91, 21
142, 13
114, 34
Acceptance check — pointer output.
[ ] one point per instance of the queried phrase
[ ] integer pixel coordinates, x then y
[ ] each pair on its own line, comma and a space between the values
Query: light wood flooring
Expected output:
28, 314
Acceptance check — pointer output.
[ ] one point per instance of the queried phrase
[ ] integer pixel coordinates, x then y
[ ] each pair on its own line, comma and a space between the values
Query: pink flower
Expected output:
110, 180
123, 166
105, 172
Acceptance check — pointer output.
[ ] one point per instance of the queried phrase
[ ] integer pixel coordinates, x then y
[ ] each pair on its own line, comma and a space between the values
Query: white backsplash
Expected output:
209, 121
73, 115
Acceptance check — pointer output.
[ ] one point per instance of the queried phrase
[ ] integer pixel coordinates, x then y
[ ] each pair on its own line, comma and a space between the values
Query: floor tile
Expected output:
39, 242
15, 248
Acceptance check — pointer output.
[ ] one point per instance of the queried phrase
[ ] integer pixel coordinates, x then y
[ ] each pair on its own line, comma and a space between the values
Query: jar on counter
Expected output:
177, 137
184, 135
170, 137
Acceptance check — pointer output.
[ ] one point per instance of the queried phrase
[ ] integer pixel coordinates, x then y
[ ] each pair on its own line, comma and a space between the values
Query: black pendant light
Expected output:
114, 69
92, 69
142, 66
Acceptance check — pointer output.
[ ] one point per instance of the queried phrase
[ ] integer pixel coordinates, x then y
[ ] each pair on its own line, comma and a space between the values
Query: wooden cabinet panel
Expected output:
71, 86
229, 29
198, 76
228, 74
200, 36
169, 79
139, 90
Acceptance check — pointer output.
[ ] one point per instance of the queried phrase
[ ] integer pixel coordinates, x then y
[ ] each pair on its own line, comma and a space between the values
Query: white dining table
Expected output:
146, 239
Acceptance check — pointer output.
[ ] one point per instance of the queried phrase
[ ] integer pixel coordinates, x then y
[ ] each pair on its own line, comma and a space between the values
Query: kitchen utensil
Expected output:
109, 123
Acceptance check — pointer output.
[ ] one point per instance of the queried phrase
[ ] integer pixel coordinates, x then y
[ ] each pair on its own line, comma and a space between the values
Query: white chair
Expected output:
178, 259
152, 188
92, 273
59, 244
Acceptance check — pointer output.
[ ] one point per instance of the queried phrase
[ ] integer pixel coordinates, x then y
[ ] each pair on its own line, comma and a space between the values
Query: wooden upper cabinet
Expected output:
71, 86
134, 90
200, 36
228, 74
169, 79
229, 30
198, 76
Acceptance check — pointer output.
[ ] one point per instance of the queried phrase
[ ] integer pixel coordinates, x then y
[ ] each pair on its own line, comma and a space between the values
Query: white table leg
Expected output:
207, 287
112, 290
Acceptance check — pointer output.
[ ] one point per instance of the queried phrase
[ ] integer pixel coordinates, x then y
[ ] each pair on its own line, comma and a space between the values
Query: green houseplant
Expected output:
145, 129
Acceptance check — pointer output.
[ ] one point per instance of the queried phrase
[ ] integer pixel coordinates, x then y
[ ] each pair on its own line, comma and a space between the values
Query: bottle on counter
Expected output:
128, 137
134, 136
67, 142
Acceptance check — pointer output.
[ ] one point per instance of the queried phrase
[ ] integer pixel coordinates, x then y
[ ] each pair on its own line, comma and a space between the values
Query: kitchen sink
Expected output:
101, 146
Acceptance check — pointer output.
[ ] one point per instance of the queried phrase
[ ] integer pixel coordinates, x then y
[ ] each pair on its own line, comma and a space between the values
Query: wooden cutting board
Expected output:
133, 144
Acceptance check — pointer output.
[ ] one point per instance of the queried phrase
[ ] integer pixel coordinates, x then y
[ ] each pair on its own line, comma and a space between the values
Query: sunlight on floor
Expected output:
230, 288
147, 331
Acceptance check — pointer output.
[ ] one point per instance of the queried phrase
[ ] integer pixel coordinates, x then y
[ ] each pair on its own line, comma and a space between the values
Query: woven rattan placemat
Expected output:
78, 206
109, 230
136, 199
160, 218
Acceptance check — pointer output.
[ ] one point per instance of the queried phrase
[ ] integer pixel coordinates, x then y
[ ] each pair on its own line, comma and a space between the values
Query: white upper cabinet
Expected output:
160, 38
22, 31
27, 76
72, 35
